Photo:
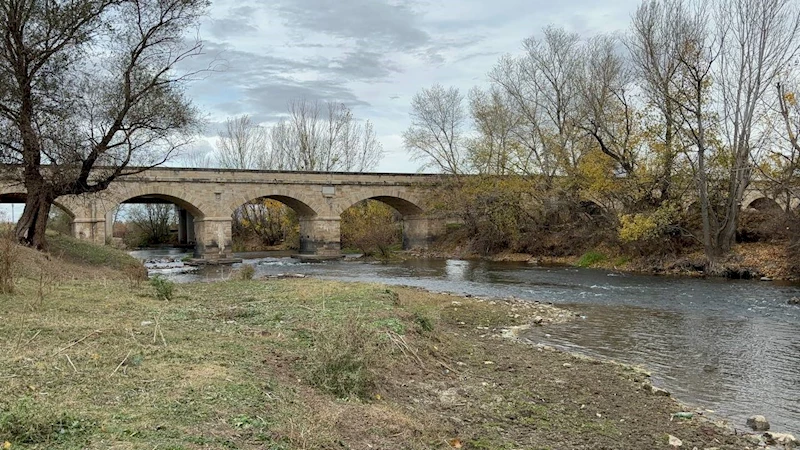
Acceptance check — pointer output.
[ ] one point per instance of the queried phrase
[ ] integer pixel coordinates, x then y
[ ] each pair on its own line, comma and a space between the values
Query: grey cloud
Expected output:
371, 22
363, 64
230, 27
240, 66
262, 85
276, 94
238, 22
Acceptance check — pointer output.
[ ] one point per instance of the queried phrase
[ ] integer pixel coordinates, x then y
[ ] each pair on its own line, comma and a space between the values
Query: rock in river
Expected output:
758, 423
794, 301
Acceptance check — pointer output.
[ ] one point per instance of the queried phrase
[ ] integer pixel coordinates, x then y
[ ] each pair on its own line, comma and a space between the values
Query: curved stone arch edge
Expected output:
66, 206
303, 206
409, 206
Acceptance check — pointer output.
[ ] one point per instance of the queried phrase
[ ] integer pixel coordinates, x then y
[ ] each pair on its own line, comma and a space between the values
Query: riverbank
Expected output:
276, 364
746, 261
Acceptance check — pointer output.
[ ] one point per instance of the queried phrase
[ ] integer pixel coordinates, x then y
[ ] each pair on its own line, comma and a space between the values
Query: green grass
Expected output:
591, 258
86, 253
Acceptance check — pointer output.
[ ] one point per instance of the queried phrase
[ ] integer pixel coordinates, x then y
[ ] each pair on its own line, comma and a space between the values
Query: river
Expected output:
729, 346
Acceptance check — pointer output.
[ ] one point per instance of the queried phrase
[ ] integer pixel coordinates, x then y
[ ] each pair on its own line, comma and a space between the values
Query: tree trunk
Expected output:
33, 222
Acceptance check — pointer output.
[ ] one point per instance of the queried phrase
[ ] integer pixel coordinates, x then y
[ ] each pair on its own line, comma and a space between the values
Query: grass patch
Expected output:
621, 261
246, 272
591, 258
28, 422
86, 253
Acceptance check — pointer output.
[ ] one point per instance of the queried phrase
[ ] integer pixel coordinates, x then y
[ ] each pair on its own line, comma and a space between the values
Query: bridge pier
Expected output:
185, 226
420, 231
213, 238
320, 236
89, 229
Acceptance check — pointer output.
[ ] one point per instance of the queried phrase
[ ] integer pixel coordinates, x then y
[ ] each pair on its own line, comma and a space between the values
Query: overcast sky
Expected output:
372, 55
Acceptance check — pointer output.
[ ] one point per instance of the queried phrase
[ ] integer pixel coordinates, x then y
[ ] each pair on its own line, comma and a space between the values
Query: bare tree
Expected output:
197, 158
89, 89
759, 38
243, 145
692, 94
152, 223
436, 134
323, 137
609, 114
542, 89
654, 51
494, 150
786, 158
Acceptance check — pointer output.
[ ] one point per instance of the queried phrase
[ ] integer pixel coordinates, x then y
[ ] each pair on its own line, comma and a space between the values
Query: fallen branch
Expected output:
157, 332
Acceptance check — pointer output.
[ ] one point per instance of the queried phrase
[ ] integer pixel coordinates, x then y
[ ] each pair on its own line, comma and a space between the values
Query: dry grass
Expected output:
302, 364
9, 254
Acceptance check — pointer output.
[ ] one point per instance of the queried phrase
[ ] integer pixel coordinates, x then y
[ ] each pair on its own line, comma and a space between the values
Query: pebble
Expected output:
660, 392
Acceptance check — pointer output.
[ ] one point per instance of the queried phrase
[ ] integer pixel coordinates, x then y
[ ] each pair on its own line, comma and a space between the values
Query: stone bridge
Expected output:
207, 198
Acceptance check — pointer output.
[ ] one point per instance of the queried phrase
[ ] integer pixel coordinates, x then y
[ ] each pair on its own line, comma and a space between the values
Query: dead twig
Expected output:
161, 333
32, 338
121, 363
401, 343
157, 332
70, 363
448, 367
133, 336
78, 341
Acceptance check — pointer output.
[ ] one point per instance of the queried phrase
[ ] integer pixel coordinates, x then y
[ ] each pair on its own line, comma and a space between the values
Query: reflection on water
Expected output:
730, 346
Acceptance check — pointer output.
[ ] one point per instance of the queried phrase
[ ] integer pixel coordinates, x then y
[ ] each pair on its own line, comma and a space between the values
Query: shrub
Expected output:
343, 359
424, 322
372, 227
246, 272
164, 287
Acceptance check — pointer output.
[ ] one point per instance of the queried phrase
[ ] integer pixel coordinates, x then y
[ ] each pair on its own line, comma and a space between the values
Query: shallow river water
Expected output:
729, 346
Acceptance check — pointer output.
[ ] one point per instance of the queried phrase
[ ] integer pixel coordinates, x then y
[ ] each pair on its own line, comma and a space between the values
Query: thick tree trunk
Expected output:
33, 222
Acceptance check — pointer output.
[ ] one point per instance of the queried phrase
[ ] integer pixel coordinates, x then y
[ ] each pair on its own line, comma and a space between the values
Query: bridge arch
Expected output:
194, 206
251, 207
301, 206
416, 226
763, 204
405, 204
191, 213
